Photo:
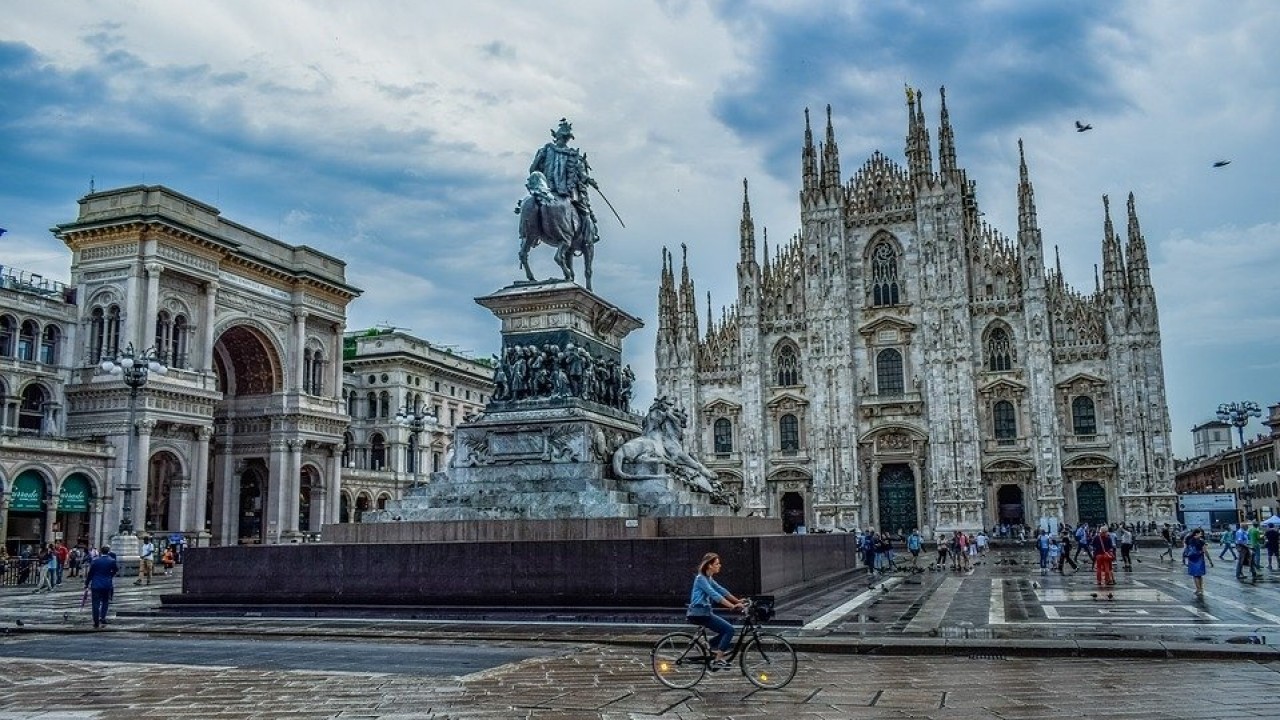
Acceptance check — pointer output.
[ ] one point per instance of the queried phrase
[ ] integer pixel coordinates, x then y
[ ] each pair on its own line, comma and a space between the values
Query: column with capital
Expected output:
142, 473
333, 491
336, 355
50, 517
293, 496
4, 516
210, 305
277, 490
299, 346
147, 334
199, 496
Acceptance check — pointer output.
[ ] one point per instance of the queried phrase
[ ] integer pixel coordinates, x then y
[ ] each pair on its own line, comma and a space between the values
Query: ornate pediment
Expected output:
1001, 388
721, 407
1089, 462
1008, 466
787, 401
1081, 384
888, 324
790, 475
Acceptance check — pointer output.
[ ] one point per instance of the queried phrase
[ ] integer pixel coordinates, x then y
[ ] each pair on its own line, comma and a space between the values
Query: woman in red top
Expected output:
1104, 555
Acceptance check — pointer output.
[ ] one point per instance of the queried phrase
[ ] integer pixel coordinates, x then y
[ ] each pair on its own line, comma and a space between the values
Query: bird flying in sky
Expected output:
1222, 163
1081, 127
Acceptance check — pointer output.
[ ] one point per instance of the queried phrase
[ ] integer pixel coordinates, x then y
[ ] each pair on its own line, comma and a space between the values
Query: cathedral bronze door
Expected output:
1009, 499
1091, 503
898, 512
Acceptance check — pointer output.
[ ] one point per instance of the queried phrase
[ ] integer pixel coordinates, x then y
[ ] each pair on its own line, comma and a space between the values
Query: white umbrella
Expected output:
1273, 520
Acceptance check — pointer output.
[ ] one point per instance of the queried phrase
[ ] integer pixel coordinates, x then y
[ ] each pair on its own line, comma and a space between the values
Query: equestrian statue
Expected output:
557, 211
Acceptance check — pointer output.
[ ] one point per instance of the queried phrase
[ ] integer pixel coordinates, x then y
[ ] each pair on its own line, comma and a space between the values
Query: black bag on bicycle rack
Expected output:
762, 608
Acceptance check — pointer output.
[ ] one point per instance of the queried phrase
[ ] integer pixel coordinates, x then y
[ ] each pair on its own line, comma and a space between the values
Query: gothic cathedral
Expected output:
901, 364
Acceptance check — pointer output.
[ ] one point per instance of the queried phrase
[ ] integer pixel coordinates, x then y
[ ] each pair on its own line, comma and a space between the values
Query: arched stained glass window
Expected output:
884, 275
787, 363
999, 351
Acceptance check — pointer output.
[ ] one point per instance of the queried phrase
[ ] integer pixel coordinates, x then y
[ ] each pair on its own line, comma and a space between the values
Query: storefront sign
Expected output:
74, 496
27, 494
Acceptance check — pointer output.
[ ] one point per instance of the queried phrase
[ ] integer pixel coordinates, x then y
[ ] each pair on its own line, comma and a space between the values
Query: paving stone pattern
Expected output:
609, 683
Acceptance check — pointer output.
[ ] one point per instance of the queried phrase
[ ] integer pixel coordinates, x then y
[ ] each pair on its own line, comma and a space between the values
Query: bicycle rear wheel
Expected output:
768, 661
679, 660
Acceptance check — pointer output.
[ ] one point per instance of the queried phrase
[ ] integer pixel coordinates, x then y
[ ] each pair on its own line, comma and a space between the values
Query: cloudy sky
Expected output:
396, 135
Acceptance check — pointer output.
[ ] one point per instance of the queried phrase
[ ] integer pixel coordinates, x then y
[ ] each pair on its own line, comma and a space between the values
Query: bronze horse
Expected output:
554, 220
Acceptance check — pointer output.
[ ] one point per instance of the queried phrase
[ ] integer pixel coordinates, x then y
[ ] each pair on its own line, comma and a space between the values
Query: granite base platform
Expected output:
633, 572
411, 531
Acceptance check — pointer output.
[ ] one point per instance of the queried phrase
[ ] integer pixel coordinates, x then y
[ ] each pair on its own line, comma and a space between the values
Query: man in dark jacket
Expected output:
100, 579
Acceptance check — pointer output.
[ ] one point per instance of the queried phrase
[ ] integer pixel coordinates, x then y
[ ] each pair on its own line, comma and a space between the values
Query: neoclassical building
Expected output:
900, 363
241, 439
392, 373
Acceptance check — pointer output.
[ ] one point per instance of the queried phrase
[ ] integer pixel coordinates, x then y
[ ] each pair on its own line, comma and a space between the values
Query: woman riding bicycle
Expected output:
706, 593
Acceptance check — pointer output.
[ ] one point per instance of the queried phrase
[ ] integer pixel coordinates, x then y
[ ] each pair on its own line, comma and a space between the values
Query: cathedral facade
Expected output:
901, 364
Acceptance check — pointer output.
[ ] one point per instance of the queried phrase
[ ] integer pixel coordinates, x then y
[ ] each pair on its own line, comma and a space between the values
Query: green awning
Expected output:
74, 496
28, 492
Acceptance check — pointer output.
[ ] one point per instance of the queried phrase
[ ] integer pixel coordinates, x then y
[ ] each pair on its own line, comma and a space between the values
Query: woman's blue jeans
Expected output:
716, 624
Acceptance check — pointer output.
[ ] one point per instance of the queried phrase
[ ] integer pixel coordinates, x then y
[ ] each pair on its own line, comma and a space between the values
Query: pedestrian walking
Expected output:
63, 553
1126, 548
1042, 544
1104, 554
1194, 552
48, 566
914, 544
1255, 545
1055, 553
941, 563
1066, 537
100, 579
1167, 534
1244, 557
1273, 547
146, 560
1228, 542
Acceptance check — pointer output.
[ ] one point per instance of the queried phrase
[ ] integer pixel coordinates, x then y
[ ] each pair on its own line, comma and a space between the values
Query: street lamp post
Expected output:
134, 368
1238, 414
415, 420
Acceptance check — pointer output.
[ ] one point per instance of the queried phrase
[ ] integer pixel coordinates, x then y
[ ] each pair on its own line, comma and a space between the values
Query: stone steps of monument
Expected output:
511, 484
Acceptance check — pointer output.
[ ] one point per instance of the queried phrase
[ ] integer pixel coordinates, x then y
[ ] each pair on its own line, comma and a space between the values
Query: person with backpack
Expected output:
914, 544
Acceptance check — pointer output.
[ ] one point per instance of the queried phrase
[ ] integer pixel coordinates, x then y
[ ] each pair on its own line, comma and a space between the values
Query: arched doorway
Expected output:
26, 526
73, 509
792, 511
307, 486
899, 513
344, 508
1091, 503
253, 497
246, 363
163, 471
363, 501
1009, 502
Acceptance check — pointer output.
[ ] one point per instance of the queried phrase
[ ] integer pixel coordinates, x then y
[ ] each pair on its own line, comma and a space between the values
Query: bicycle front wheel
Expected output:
768, 661
679, 660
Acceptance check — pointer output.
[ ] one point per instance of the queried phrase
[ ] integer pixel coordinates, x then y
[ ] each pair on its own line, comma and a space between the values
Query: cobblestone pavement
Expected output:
610, 683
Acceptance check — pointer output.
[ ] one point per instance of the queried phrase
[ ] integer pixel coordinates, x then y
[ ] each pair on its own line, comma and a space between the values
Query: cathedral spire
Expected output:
830, 161
746, 229
666, 293
1113, 273
1057, 263
919, 155
766, 250
1136, 251
710, 320
1028, 225
946, 139
809, 164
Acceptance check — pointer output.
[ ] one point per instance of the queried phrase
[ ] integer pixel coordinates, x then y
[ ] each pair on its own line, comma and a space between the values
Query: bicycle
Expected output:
680, 659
